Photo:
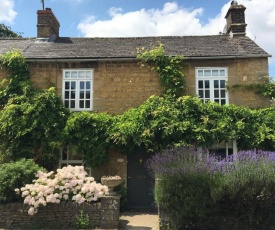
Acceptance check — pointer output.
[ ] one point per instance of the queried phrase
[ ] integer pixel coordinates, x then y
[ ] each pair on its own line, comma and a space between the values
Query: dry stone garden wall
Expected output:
103, 214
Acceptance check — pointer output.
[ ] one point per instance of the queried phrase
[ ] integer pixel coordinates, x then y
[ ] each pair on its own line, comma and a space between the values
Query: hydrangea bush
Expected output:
68, 183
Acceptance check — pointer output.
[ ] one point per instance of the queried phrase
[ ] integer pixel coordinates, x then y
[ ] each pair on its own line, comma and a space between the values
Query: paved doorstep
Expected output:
139, 221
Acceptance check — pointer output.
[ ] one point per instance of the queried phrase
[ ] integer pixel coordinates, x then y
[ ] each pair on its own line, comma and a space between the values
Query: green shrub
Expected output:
183, 188
195, 190
82, 221
247, 188
16, 175
186, 199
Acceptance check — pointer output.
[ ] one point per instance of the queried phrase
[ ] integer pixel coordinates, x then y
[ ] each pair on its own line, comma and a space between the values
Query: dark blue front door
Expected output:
139, 182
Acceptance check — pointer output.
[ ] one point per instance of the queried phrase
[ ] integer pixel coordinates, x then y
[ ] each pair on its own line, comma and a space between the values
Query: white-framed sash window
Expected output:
211, 84
77, 89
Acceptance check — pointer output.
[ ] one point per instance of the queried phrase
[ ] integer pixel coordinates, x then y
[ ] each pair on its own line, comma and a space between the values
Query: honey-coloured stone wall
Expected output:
121, 85
240, 71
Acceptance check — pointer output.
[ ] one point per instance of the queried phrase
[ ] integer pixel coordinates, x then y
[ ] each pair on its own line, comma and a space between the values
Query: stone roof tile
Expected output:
101, 48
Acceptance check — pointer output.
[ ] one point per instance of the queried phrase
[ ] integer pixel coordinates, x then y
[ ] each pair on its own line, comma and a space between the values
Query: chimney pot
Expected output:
234, 3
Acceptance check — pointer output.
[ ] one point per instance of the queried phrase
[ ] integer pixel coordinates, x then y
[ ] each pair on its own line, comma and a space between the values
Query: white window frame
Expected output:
212, 74
76, 76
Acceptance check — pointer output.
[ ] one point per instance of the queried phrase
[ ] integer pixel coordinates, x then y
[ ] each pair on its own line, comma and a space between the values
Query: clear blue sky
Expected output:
120, 18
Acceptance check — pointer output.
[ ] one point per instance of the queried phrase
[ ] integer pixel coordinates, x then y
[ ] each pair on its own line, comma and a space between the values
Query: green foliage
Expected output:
32, 120
162, 122
16, 175
89, 134
6, 31
82, 221
31, 127
17, 83
186, 199
265, 88
169, 69
196, 190
248, 190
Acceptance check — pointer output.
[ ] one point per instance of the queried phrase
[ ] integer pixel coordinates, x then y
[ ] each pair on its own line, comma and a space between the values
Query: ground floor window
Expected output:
70, 156
224, 149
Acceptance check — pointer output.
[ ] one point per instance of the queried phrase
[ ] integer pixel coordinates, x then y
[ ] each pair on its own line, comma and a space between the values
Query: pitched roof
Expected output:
217, 46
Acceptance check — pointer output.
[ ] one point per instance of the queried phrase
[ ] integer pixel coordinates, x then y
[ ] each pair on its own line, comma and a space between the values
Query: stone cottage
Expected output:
103, 74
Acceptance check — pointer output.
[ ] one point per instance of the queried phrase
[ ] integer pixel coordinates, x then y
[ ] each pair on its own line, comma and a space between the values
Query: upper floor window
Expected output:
211, 84
77, 89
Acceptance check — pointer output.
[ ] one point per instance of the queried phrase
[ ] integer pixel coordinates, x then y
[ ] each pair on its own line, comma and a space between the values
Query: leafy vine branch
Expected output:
266, 88
169, 69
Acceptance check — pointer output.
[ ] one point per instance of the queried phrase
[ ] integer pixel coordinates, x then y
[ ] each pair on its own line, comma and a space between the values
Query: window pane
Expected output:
201, 94
73, 95
207, 93
216, 84
207, 85
207, 73
81, 94
216, 93
67, 85
88, 74
74, 154
82, 74
222, 73
222, 82
67, 104
72, 104
67, 74
67, 94
87, 104
87, 94
200, 73
215, 73
74, 74
217, 100
81, 104
82, 84
223, 102
222, 93
88, 85
200, 84
73, 83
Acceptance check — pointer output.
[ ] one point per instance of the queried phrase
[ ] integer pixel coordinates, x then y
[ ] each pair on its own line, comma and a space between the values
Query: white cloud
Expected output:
175, 20
171, 20
7, 14
260, 17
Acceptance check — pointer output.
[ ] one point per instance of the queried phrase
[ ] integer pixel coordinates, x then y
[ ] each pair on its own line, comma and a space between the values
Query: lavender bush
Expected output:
196, 189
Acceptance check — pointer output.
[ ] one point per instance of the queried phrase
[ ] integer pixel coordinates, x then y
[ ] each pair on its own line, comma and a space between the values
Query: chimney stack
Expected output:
47, 24
235, 19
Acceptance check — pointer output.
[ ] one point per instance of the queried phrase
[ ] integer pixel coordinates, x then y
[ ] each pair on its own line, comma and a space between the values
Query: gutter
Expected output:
135, 59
